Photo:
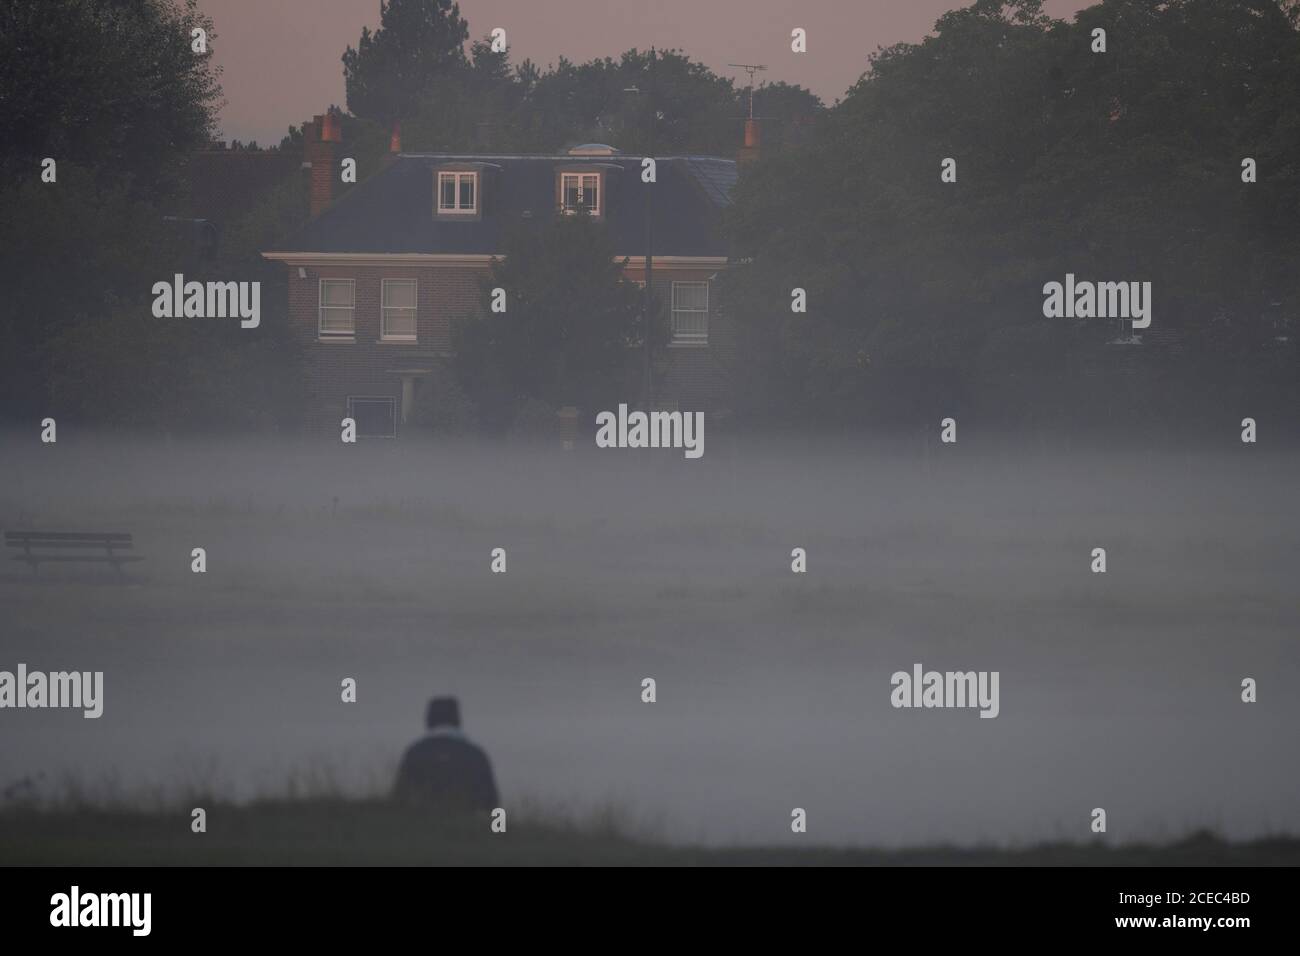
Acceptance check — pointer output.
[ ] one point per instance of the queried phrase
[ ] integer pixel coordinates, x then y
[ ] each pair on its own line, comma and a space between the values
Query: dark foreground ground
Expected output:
340, 832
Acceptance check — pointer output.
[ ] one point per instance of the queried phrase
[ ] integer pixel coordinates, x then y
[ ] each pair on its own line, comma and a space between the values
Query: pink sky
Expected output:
280, 58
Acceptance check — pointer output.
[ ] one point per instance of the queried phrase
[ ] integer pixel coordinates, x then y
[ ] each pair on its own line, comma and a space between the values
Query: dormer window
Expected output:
457, 193
580, 191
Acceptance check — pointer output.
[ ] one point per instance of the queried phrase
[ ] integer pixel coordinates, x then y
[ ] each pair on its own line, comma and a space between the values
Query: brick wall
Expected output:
694, 378
366, 365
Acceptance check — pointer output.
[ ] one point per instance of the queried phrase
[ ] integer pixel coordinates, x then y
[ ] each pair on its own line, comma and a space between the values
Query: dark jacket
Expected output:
447, 769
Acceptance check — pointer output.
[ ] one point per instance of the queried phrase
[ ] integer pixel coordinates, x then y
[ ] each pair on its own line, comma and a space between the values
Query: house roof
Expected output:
392, 211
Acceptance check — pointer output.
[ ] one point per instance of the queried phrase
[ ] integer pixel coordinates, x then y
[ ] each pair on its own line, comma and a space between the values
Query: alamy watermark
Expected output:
626, 429
1098, 300
75, 908
922, 688
83, 690
208, 300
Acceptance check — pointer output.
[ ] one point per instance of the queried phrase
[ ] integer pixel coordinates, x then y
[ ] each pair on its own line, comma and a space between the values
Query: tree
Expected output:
113, 86
569, 316
115, 93
394, 70
1115, 166
414, 68
682, 106
787, 113
117, 364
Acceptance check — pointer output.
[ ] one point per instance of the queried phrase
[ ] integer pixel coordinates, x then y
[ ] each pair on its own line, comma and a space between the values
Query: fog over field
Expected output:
1119, 690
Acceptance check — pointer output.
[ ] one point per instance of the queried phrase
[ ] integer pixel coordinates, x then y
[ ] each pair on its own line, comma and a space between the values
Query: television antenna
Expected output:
751, 69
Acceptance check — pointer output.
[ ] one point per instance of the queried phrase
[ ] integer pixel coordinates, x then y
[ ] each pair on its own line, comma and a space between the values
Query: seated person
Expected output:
444, 767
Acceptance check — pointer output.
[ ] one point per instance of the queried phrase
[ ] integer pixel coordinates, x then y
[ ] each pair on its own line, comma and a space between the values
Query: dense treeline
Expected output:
414, 69
119, 93
925, 297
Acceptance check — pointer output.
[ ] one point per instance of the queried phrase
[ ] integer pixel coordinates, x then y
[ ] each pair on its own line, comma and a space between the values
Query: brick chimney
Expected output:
321, 137
749, 152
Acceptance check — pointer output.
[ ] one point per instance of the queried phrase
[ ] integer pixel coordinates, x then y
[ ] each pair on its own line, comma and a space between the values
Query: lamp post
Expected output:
647, 363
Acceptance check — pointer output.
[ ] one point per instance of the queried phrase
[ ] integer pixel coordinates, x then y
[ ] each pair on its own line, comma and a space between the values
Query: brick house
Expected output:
377, 277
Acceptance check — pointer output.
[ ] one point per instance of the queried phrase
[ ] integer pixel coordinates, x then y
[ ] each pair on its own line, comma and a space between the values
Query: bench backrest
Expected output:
16, 538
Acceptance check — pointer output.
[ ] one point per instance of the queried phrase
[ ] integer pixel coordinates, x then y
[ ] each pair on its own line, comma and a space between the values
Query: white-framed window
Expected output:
337, 309
376, 416
457, 193
690, 313
397, 323
580, 190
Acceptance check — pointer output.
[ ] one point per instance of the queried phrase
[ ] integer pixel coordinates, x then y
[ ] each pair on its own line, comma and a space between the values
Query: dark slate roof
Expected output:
392, 211
715, 176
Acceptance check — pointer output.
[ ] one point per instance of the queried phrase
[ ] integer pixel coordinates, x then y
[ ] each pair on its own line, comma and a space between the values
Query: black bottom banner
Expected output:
333, 906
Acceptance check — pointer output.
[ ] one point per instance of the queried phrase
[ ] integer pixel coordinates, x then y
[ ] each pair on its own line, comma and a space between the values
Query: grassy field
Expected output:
324, 562
349, 833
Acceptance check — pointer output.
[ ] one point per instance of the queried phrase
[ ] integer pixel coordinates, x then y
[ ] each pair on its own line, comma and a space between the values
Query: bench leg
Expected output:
117, 564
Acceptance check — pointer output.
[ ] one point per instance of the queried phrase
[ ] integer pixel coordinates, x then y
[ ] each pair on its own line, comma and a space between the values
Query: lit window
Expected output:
337, 312
580, 190
398, 310
457, 193
690, 313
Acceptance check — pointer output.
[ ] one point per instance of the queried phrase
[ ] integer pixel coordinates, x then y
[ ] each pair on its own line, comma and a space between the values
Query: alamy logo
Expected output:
209, 300
683, 430
947, 689
75, 689
103, 909
1098, 300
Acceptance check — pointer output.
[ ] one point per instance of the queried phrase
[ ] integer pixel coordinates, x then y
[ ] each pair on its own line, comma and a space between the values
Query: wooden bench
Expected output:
58, 546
